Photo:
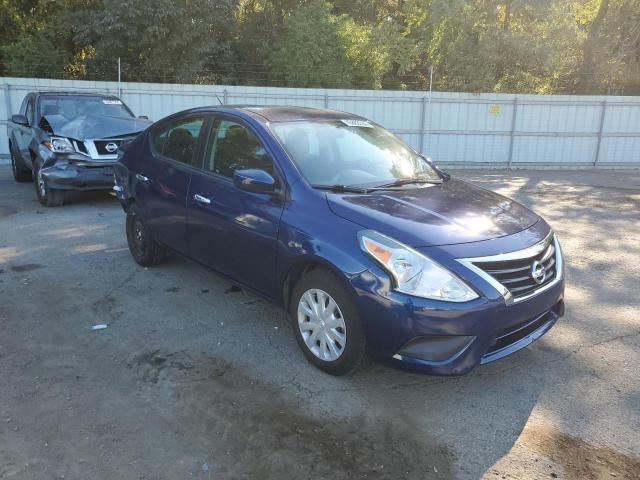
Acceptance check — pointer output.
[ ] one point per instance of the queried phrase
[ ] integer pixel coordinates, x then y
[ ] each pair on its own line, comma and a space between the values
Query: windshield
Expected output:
351, 153
72, 106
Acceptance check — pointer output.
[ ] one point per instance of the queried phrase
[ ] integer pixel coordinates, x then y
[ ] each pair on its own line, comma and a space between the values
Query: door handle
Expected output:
200, 199
141, 177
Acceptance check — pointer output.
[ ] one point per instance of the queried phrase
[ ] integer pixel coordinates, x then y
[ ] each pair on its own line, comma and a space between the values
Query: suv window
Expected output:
179, 140
23, 105
232, 146
29, 111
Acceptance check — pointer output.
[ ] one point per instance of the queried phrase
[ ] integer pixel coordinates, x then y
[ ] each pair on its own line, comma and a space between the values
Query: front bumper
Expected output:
441, 338
79, 175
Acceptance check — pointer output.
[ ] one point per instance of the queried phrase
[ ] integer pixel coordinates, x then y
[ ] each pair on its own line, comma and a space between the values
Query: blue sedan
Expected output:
368, 245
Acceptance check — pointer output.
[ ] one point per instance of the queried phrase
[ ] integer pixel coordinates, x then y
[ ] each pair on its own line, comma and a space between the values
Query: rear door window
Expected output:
178, 140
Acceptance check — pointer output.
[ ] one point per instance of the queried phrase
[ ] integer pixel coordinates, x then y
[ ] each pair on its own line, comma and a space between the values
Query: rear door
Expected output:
232, 230
162, 181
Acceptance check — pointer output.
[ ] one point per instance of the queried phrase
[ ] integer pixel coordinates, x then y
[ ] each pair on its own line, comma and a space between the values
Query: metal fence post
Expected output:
225, 96
513, 132
423, 113
326, 100
7, 98
603, 112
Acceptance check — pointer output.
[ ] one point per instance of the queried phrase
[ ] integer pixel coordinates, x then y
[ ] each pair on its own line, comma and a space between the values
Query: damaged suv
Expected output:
69, 141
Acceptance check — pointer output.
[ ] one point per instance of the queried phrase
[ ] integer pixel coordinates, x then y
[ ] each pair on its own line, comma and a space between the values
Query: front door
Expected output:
162, 182
25, 134
232, 230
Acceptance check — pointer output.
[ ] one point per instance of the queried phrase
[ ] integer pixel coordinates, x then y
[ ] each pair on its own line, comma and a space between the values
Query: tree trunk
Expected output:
586, 79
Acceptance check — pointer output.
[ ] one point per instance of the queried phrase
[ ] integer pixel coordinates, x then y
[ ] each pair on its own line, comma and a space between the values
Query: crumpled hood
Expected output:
93, 126
446, 214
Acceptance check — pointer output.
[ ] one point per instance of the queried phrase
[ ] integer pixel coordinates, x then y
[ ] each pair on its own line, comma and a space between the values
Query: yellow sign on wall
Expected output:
494, 109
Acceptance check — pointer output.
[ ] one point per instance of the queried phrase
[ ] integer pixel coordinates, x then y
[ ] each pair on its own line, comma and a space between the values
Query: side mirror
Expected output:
20, 120
252, 180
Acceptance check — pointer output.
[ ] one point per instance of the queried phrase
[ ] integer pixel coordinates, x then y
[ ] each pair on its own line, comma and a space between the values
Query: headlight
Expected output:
414, 273
60, 145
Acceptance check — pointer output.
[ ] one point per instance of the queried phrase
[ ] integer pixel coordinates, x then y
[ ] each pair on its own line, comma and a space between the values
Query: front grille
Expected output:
80, 147
509, 338
101, 145
517, 274
513, 335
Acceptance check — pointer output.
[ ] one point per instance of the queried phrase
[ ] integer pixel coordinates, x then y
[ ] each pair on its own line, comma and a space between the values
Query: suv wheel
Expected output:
326, 323
143, 247
49, 197
21, 172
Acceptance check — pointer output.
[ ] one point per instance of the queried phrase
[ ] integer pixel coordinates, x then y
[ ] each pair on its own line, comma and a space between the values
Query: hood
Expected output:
446, 214
87, 127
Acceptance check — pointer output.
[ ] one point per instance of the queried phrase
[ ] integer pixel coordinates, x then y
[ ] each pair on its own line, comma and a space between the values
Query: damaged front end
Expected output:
80, 154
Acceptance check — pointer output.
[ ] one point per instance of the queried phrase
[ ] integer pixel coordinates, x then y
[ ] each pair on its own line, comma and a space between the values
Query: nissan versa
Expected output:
366, 243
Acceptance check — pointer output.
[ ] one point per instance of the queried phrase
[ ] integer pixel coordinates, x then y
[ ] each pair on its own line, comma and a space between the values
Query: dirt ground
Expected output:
192, 379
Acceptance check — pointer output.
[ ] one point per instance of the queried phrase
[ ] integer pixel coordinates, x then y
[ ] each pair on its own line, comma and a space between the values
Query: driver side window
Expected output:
29, 111
232, 146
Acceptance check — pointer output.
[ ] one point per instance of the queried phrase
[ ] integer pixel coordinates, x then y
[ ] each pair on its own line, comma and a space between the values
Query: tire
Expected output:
49, 197
344, 319
143, 247
21, 173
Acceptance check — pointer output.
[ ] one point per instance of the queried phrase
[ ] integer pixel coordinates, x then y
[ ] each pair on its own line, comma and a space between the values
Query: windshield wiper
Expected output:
406, 181
341, 188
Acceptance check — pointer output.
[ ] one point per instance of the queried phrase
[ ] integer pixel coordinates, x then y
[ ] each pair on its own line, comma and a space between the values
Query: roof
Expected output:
291, 114
78, 94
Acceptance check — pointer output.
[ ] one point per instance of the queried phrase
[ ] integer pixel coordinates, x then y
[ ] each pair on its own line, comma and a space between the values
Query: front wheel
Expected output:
326, 323
21, 172
143, 247
49, 197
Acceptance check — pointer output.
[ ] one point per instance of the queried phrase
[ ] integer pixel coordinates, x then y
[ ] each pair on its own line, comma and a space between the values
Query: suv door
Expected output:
24, 134
232, 230
162, 181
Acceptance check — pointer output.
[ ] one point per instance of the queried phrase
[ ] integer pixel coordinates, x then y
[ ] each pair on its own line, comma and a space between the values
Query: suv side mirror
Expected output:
20, 120
253, 180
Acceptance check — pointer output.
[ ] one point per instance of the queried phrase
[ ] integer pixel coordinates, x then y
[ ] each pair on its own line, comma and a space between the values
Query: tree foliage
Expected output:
537, 46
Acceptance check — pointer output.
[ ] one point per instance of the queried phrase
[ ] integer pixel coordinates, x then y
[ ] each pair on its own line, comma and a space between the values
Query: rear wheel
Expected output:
143, 247
49, 197
326, 323
21, 172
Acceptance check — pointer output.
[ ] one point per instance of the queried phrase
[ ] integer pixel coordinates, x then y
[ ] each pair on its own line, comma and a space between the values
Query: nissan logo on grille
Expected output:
538, 272
111, 147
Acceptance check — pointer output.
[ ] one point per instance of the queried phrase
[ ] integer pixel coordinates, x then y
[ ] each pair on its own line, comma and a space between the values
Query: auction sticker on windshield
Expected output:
357, 123
112, 102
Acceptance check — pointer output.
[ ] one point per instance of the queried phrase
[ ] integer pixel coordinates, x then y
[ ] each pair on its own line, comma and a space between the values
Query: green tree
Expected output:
164, 40
35, 55
321, 48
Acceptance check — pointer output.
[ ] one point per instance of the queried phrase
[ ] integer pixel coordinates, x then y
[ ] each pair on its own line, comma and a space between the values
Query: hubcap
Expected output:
322, 325
41, 186
138, 236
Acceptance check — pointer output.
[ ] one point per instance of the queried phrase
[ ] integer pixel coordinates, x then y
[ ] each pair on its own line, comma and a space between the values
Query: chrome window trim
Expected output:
529, 252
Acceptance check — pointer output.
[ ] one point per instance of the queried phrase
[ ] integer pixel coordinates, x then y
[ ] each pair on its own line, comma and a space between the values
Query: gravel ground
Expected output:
194, 380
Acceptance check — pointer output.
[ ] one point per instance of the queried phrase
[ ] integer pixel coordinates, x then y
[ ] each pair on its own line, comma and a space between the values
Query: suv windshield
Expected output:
72, 106
350, 153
